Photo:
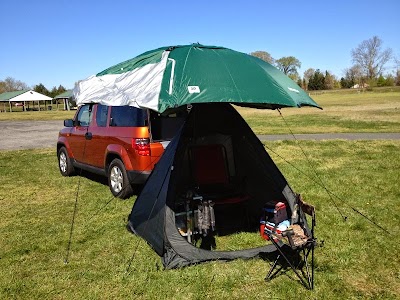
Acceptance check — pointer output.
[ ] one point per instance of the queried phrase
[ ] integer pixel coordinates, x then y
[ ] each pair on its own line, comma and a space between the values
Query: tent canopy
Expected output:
171, 77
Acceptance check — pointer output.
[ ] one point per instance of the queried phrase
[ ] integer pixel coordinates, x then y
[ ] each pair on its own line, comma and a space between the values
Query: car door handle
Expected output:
88, 135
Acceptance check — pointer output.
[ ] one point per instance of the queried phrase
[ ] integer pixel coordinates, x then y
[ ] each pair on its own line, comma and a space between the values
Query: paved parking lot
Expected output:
16, 135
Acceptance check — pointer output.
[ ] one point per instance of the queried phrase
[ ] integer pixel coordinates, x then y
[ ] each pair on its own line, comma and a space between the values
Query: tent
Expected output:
155, 214
215, 162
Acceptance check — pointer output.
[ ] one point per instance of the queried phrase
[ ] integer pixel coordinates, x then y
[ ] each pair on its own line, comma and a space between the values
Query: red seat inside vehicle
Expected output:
210, 171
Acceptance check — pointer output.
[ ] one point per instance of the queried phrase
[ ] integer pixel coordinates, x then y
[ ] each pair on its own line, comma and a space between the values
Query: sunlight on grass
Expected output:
356, 112
37, 115
239, 241
357, 261
343, 111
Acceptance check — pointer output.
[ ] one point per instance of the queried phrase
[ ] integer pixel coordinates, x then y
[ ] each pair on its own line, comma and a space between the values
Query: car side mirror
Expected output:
69, 123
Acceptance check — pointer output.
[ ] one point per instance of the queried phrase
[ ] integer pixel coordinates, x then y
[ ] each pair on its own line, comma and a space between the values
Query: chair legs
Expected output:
283, 258
271, 275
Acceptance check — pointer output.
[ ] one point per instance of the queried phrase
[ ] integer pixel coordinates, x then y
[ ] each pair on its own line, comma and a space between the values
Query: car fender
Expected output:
121, 152
63, 142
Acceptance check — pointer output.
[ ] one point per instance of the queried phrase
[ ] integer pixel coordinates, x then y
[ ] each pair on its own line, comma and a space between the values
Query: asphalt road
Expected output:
17, 135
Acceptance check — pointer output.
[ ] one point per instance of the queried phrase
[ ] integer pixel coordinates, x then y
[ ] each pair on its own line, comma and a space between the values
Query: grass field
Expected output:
343, 111
37, 115
358, 261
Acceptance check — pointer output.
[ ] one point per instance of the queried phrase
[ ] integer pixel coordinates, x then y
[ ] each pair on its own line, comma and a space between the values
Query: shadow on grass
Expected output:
137, 189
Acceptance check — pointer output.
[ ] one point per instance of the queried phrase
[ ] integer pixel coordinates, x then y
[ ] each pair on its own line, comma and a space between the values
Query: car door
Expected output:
79, 133
97, 137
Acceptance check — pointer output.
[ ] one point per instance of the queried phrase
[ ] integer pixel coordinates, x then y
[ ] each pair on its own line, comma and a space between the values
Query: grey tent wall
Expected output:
265, 181
147, 218
153, 216
180, 253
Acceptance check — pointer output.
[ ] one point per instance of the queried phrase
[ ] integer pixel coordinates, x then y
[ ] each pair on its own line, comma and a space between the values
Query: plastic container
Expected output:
280, 213
262, 231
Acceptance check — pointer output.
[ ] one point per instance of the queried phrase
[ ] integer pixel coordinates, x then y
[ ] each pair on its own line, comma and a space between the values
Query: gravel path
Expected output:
16, 135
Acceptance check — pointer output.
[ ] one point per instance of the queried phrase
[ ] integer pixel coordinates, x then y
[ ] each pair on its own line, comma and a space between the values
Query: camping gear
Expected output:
241, 178
153, 216
274, 218
206, 217
174, 76
295, 244
280, 213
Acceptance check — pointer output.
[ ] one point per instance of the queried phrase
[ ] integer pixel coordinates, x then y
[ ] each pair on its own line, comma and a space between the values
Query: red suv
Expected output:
122, 143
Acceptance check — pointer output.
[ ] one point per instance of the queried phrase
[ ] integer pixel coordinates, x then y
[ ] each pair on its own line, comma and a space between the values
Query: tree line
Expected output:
369, 61
10, 84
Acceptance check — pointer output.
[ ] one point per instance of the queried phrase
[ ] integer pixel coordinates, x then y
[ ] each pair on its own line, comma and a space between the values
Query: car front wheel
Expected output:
64, 163
118, 180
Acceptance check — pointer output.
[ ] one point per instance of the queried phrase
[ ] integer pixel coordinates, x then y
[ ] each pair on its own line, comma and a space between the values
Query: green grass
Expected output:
37, 115
343, 111
358, 260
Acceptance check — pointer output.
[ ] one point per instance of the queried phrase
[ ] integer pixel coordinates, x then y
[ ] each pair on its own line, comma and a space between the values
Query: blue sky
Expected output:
62, 41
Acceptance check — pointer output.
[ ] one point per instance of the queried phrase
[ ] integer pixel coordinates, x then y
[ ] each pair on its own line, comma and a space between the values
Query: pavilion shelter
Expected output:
24, 98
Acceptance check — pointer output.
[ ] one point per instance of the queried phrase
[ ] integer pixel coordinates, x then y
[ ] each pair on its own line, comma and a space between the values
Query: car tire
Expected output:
118, 180
64, 163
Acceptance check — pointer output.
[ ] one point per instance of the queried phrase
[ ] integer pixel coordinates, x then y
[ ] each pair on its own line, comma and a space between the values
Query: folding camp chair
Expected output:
295, 245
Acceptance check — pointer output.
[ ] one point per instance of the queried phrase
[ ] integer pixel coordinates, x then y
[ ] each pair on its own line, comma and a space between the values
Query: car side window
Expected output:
101, 115
84, 116
127, 116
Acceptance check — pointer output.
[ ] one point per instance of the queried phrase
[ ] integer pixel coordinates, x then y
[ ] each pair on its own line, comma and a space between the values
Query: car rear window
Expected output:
127, 116
164, 128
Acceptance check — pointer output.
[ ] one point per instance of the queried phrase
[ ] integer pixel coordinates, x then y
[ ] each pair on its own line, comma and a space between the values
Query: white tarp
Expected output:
139, 87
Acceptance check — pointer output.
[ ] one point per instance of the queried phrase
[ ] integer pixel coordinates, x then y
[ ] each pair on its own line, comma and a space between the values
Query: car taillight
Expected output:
142, 146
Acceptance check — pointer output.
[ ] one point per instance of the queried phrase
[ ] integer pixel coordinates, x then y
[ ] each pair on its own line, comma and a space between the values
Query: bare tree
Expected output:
307, 74
2, 87
288, 64
265, 56
294, 76
397, 74
370, 56
397, 61
10, 85
354, 76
